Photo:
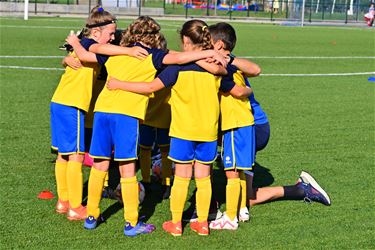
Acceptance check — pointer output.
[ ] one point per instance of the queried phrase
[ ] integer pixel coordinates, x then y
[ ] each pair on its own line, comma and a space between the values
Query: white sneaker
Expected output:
244, 214
224, 223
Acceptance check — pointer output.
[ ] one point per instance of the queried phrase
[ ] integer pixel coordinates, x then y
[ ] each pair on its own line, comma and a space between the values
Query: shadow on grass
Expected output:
262, 178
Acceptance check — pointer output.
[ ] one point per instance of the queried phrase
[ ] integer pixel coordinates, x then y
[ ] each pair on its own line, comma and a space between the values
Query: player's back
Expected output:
126, 68
195, 105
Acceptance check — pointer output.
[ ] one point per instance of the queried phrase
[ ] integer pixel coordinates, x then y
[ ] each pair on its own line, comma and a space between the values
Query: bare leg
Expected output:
267, 194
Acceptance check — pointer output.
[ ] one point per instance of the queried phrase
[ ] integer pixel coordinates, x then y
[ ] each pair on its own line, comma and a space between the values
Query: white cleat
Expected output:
224, 223
244, 214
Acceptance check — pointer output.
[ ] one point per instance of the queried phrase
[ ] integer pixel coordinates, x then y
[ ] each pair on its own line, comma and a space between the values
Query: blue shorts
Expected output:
262, 135
184, 151
148, 135
114, 132
239, 148
67, 129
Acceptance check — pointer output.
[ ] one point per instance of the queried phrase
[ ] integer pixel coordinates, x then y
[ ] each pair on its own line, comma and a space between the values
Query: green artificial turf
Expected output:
321, 124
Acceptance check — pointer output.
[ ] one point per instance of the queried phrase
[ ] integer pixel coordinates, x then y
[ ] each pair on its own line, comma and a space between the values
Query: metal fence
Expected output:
271, 10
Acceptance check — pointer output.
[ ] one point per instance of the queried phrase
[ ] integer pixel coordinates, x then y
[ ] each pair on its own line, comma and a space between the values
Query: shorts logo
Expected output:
228, 160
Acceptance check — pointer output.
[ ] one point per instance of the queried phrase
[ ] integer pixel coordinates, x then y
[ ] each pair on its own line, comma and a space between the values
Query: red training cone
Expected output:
45, 194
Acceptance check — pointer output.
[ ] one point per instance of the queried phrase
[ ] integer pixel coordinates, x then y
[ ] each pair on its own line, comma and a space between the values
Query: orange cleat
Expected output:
62, 207
200, 228
79, 213
173, 228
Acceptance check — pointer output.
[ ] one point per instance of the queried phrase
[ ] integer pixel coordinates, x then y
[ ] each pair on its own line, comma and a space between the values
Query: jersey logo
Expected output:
228, 160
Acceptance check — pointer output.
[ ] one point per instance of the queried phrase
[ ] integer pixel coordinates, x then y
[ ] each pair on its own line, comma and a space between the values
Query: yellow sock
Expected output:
233, 190
130, 193
95, 189
203, 197
61, 180
145, 164
179, 193
106, 180
75, 183
243, 190
166, 171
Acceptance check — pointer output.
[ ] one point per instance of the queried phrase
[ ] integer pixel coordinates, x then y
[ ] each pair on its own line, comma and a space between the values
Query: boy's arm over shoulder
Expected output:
228, 85
192, 56
213, 68
248, 68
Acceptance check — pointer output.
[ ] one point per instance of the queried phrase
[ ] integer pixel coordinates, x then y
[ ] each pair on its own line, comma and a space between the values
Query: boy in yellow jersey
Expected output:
116, 119
195, 114
237, 125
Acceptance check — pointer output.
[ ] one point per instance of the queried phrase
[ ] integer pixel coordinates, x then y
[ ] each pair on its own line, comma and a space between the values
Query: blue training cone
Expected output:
371, 79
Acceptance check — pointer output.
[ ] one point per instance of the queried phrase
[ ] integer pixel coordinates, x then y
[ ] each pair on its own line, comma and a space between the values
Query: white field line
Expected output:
309, 57
64, 27
327, 74
65, 19
40, 27
160, 21
252, 57
32, 57
28, 68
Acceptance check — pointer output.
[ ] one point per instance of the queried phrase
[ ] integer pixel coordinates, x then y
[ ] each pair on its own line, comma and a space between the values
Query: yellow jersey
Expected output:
158, 113
131, 69
235, 113
75, 86
194, 102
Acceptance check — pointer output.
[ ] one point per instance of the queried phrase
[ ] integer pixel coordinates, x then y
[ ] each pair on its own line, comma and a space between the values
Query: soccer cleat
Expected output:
200, 228
78, 213
62, 207
224, 223
140, 228
174, 229
91, 222
244, 214
313, 191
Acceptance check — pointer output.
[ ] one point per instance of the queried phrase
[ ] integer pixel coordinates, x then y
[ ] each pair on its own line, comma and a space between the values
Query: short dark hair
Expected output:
224, 32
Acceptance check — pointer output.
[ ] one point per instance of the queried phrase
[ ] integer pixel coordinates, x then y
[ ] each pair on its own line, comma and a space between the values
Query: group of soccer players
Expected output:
140, 93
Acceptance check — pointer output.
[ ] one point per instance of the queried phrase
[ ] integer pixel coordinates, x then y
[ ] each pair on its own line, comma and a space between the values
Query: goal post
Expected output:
26, 10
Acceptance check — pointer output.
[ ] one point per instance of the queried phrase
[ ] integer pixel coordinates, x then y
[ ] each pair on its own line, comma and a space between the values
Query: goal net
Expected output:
296, 13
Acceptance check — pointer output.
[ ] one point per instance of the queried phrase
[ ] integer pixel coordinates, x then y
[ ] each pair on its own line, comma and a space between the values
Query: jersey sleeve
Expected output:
86, 43
169, 75
227, 81
102, 59
247, 82
157, 58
